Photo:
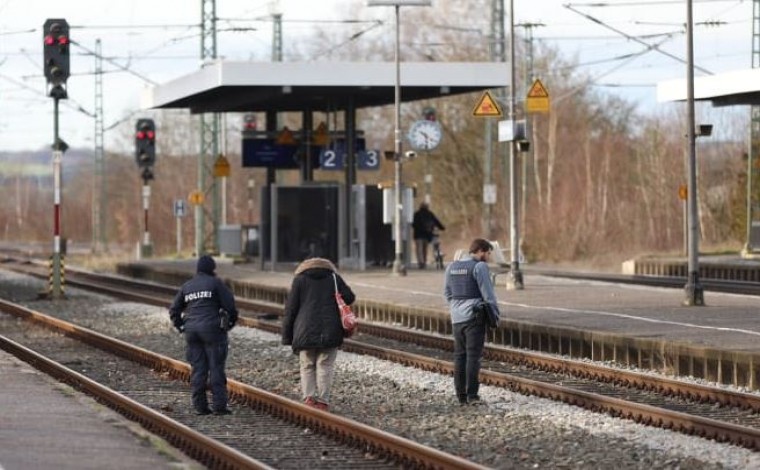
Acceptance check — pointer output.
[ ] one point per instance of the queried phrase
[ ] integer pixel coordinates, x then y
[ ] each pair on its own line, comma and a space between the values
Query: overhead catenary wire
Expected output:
116, 64
70, 103
350, 39
629, 58
634, 38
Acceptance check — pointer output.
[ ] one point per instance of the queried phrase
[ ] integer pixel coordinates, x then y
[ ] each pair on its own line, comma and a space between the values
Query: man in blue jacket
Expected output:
468, 283
205, 301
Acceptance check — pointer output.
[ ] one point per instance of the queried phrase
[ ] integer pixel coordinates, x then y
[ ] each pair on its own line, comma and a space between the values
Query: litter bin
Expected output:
251, 240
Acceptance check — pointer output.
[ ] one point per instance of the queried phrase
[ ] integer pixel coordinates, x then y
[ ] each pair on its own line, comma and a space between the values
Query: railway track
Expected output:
705, 411
268, 429
713, 285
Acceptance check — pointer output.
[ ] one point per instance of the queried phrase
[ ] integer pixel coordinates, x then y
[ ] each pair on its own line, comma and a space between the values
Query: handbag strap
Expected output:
335, 280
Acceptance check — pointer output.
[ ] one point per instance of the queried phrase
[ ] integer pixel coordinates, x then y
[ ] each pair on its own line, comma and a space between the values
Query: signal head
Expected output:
55, 39
145, 143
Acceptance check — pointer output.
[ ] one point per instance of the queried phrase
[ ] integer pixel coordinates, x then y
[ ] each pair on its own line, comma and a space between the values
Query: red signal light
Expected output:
49, 40
63, 41
140, 135
151, 135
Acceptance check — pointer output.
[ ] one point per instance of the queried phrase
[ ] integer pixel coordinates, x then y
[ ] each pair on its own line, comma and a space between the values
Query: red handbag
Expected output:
347, 316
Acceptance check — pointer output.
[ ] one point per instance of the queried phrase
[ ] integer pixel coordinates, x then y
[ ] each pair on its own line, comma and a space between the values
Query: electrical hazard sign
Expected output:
487, 107
537, 100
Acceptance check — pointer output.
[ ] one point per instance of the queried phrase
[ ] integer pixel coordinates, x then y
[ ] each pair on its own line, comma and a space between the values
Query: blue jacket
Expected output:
461, 309
200, 299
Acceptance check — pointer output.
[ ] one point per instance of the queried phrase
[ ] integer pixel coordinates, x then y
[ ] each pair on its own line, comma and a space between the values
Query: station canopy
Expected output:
319, 86
740, 87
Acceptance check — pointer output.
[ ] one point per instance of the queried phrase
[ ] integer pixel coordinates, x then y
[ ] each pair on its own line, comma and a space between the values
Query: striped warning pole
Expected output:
63, 276
56, 289
50, 274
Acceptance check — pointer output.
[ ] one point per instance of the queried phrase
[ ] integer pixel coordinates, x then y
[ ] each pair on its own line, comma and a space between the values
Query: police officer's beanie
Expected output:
206, 264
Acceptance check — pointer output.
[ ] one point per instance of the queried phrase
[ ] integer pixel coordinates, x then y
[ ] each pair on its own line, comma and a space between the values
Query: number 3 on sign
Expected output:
331, 160
369, 160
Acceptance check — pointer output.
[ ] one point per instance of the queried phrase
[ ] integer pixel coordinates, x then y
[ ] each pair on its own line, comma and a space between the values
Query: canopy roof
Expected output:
724, 89
319, 86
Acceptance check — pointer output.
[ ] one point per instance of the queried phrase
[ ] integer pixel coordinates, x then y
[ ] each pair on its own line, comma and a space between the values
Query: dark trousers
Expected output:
469, 338
207, 354
421, 246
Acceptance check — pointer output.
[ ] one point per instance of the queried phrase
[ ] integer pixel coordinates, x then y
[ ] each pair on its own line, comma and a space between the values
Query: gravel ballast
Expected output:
511, 431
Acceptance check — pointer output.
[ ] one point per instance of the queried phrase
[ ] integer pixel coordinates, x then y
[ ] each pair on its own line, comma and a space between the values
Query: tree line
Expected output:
599, 184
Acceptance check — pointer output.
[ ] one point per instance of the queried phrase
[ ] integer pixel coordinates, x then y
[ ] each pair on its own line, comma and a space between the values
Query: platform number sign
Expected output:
369, 159
336, 157
330, 159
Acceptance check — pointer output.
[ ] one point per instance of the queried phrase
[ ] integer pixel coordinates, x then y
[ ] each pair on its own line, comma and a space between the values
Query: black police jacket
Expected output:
312, 320
200, 299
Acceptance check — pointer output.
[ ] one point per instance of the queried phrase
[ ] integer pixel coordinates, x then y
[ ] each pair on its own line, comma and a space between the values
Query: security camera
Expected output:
410, 154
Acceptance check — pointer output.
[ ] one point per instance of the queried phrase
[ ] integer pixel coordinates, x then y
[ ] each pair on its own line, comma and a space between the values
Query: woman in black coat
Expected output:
312, 326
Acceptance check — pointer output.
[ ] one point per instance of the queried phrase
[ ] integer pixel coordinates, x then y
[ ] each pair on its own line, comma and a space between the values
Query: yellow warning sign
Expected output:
320, 135
286, 137
538, 90
195, 198
221, 167
487, 107
537, 100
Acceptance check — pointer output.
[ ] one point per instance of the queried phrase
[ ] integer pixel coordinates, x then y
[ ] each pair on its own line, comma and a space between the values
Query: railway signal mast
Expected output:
145, 156
56, 42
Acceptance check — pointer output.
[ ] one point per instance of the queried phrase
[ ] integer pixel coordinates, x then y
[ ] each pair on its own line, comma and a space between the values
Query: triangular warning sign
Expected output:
285, 137
487, 107
320, 136
538, 90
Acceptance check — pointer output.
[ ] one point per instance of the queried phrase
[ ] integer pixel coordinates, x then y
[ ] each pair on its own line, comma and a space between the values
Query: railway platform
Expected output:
44, 425
639, 326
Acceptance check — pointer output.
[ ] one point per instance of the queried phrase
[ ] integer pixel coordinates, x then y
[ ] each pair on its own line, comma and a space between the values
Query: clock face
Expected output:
425, 135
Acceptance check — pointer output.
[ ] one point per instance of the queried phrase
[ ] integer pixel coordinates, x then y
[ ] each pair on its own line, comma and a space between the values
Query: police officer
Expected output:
205, 299
468, 283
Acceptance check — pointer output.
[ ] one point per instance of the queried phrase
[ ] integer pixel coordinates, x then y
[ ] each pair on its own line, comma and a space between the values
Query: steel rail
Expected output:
539, 361
205, 450
714, 285
641, 413
408, 453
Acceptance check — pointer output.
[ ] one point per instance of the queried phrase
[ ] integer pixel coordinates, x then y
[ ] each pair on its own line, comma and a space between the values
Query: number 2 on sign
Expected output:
331, 160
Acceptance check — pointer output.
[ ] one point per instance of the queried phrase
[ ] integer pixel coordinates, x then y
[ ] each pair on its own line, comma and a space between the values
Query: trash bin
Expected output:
251, 240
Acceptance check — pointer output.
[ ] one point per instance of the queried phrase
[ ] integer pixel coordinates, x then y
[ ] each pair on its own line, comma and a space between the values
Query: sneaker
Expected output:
475, 401
223, 411
462, 399
321, 406
310, 401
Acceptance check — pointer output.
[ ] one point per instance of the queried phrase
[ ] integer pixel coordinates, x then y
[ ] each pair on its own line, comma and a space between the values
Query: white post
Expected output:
179, 234
399, 267
146, 200
224, 200
515, 279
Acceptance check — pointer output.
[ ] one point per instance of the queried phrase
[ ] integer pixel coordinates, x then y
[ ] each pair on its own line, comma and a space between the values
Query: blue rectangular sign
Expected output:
267, 153
334, 156
368, 160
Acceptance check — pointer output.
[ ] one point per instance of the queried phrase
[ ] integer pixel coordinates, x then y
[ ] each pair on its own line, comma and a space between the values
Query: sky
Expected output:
148, 42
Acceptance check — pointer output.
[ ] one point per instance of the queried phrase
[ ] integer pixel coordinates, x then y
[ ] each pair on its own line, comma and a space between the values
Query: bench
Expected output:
498, 263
